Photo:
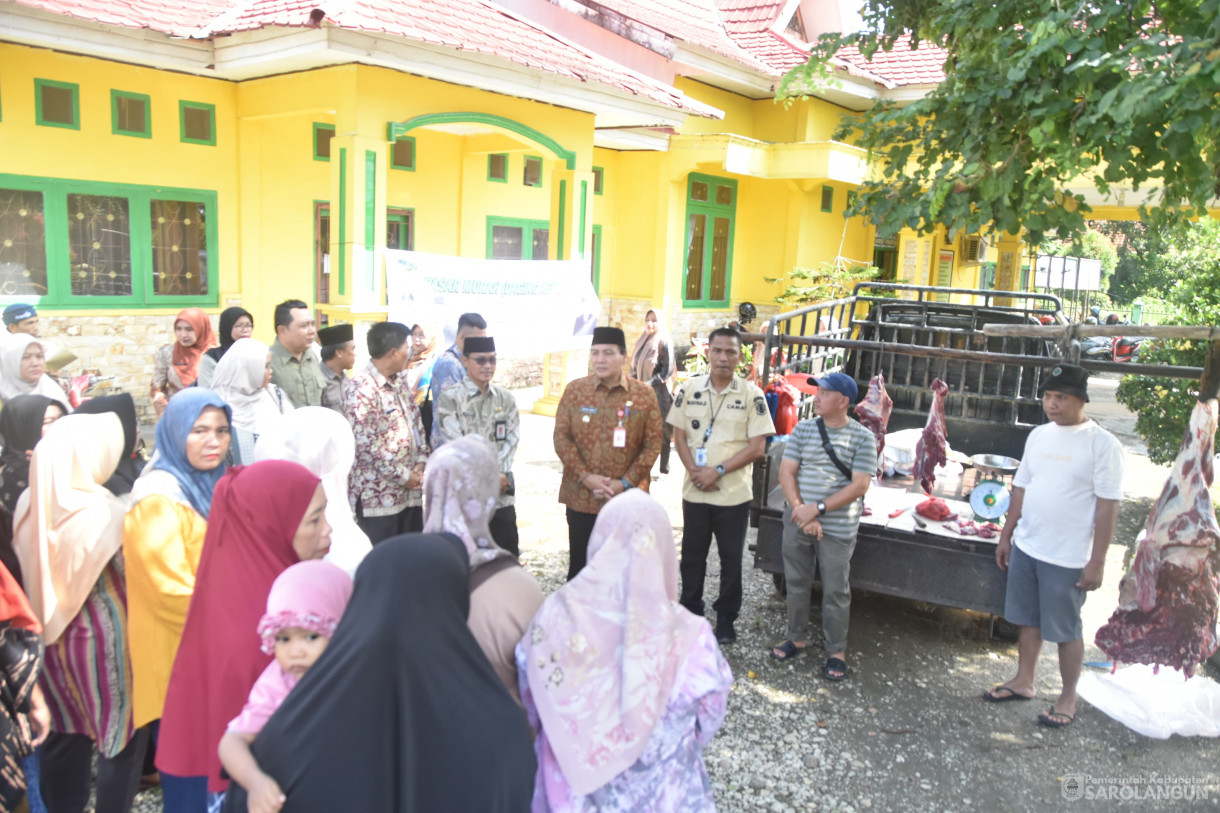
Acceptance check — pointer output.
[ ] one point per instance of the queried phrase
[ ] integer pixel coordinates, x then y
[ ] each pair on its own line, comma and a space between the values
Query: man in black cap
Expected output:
607, 434
448, 369
476, 406
338, 356
21, 318
1060, 521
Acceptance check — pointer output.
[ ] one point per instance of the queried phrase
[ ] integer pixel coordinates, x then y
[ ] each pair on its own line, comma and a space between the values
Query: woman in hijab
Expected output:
235, 323
243, 380
321, 440
652, 362
623, 686
451, 740
68, 532
265, 518
132, 462
460, 489
176, 366
163, 534
23, 370
23, 421
24, 719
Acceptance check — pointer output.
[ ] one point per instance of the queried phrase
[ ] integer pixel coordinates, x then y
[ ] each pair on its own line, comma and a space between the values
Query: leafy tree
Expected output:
1163, 405
1039, 95
830, 280
1091, 244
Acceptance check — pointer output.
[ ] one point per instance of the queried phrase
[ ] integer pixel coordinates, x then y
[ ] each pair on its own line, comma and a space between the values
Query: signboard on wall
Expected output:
1072, 273
531, 306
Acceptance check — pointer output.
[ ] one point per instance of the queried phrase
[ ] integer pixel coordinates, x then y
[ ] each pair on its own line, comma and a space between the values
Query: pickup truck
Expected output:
991, 407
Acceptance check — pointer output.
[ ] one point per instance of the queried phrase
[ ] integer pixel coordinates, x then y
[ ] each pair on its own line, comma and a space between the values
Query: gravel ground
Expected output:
907, 731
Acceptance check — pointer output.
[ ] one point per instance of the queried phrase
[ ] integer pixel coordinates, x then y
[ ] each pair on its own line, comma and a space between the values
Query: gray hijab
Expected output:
461, 484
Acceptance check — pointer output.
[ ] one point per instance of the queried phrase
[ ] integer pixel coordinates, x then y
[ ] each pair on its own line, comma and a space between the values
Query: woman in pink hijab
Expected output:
623, 687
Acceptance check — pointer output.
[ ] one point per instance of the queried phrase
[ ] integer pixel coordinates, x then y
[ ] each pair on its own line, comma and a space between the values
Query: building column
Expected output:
357, 182
571, 239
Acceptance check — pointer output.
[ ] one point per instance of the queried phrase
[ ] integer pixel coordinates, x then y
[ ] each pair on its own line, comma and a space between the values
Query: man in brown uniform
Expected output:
608, 435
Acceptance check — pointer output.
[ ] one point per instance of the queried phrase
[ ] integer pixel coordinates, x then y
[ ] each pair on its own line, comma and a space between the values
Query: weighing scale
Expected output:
991, 495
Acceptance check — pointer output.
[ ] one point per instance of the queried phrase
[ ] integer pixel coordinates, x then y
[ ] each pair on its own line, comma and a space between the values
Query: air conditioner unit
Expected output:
974, 249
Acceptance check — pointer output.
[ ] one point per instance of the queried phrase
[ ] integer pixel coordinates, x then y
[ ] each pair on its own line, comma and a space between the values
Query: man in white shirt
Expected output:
1060, 521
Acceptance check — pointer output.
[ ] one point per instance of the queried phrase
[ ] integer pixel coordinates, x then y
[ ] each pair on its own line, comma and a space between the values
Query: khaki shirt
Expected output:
336, 388
463, 409
302, 381
734, 417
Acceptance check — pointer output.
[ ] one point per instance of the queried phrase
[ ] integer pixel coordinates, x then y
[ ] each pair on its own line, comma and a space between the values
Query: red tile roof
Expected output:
697, 22
776, 50
468, 25
750, 15
902, 66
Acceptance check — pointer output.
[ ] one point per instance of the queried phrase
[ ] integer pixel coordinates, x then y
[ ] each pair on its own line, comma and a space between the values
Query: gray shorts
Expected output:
1045, 596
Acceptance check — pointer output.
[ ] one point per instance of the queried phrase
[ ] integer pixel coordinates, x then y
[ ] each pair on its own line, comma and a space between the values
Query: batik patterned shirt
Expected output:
389, 443
464, 409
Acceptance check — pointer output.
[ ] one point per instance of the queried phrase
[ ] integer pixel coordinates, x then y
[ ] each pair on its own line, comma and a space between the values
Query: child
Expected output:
303, 609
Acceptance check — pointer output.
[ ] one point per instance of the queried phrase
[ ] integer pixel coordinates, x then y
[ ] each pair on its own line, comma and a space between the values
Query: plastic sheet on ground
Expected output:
1156, 705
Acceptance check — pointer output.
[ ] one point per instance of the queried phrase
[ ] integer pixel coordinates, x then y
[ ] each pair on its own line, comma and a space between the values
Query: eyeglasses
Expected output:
483, 361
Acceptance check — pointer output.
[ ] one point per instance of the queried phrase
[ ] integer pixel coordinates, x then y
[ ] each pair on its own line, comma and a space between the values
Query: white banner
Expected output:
1072, 273
531, 306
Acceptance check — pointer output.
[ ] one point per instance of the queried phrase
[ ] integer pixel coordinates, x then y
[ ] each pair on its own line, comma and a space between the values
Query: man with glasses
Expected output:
475, 406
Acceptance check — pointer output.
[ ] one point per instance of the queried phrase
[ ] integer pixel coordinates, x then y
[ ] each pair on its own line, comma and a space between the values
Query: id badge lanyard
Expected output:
620, 432
701, 452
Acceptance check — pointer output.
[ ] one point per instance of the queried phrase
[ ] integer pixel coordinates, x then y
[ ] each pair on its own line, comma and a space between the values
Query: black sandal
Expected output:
789, 649
835, 665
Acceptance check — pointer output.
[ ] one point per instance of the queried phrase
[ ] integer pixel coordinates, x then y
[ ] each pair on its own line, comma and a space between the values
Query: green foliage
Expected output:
696, 362
1152, 262
1090, 244
1163, 405
1040, 99
830, 280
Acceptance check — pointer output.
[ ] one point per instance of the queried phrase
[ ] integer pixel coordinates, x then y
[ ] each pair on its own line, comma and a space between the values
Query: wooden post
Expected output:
1209, 384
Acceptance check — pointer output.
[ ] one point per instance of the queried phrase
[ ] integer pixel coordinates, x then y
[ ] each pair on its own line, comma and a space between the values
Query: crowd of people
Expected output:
315, 557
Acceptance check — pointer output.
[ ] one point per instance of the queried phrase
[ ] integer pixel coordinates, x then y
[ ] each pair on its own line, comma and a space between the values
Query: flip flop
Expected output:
991, 697
835, 665
790, 651
1047, 718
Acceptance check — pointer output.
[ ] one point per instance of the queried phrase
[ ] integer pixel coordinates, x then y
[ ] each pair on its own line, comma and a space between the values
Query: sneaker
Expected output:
725, 634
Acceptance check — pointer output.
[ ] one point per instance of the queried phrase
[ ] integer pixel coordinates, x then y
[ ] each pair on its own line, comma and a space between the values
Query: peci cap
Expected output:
610, 335
19, 313
336, 335
1068, 378
478, 344
839, 382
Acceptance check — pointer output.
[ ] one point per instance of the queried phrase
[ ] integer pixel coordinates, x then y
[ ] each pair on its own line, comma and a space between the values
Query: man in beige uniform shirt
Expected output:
721, 424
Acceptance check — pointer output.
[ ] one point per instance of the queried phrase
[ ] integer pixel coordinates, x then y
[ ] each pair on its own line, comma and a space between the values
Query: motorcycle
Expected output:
1126, 348
1097, 348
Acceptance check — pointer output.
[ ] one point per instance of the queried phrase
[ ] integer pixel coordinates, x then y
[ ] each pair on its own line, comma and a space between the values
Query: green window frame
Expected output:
596, 254
534, 233
828, 198
492, 160
322, 134
711, 218
118, 100
145, 242
40, 114
599, 180
395, 163
532, 163
185, 107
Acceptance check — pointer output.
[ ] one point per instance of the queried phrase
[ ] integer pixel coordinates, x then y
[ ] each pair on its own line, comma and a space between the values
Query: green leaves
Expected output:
1042, 97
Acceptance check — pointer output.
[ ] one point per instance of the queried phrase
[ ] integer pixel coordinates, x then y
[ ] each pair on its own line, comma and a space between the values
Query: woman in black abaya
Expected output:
402, 713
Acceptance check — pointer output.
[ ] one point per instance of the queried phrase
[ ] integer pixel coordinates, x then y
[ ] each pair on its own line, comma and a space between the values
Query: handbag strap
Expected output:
830, 449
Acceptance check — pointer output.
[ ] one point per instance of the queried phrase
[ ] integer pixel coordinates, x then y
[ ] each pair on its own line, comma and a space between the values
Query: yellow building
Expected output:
222, 153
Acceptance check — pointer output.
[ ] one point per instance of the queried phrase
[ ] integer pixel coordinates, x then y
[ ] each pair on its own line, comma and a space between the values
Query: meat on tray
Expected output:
932, 449
874, 413
968, 527
935, 508
1167, 600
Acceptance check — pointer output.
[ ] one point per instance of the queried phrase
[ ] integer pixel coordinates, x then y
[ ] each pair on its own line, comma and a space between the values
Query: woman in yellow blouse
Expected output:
163, 535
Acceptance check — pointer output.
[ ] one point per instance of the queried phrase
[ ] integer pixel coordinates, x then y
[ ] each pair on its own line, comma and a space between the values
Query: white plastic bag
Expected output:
1156, 705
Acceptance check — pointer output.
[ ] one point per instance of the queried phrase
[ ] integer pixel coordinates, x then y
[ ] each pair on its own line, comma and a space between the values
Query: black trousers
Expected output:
67, 773
409, 520
503, 526
580, 528
728, 523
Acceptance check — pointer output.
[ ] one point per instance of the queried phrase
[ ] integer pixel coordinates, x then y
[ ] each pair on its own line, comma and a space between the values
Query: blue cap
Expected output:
18, 313
839, 382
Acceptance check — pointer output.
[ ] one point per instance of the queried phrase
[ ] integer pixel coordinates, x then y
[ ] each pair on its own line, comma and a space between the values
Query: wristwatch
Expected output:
720, 469
627, 484
821, 506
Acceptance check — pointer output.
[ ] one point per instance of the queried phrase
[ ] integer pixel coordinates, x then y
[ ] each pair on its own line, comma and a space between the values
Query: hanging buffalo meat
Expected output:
1167, 601
932, 450
874, 413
